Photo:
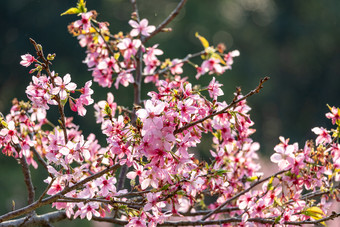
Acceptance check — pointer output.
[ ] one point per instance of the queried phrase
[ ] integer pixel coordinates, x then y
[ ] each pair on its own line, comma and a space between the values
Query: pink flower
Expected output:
141, 28
153, 201
27, 60
151, 110
212, 65
176, 66
284, 156
85, 21
124, 78
63, 86
106, 184
137, 221
214, 89
228, 58
56, 187
9, 133
323, 137
129, 46
87, 210
84, 99
334, 115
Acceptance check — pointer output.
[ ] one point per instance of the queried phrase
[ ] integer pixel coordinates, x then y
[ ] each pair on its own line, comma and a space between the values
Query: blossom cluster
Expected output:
157, 141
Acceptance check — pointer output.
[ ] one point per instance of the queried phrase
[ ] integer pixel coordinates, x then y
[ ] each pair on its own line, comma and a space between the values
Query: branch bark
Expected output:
37, 220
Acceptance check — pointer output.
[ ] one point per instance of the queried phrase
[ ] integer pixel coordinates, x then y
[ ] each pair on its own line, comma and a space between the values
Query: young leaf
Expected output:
204, 42
315, 213
72, 10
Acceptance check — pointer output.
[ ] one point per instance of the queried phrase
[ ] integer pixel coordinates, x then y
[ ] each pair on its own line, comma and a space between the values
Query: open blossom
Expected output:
154, 201
87, 210
124, 78
84, 99
129, 46
323, 137
284, 156
334, 115
176, 66
214, 89
27, 60
63, 86
141, 28
10, 133
85, 21
228, 58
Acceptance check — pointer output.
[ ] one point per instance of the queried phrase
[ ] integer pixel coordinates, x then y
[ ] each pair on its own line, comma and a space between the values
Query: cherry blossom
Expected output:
85, 21
27, 60
141, 28
154, 144
63, 86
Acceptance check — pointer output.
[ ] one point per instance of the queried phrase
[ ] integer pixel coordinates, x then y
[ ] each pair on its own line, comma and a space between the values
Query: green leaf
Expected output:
215, 55
165, 187
220, 172
204, 42
72, 10
81, 5
315, 213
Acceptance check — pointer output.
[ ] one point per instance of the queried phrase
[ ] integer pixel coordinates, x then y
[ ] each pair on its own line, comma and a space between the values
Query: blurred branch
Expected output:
38, 220
162, 25
232, 104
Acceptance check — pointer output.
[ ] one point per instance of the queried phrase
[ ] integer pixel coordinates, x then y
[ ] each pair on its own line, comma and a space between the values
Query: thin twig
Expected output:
46, 66
232, 104
101, 35
27, 175
162, 25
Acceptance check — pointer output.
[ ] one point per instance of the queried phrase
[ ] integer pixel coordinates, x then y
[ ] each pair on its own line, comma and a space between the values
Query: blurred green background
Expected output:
295, 42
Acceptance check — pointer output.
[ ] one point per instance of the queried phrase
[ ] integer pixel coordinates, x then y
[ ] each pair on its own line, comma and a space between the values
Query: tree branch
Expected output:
46, 66
221, 221
162, 25
27, 174
37, 220
232, 104
51, 199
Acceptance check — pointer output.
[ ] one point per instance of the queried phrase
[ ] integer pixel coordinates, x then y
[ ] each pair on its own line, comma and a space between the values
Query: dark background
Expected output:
295, 42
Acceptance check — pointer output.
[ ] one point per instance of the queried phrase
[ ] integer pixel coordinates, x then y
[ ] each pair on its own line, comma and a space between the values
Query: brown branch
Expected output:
36, 153
221, 221
135, 9
232, 104
38, 220
110, 220
52, 199
100, 200
46, 66
162, 25
27, 174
